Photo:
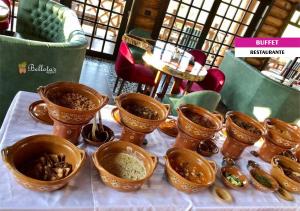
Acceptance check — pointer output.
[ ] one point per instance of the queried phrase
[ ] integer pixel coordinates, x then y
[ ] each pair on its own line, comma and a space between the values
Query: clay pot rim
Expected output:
96, 143
276, 167
102, 99
123, 180
263, 188
248, 119
284, 124
240, 174
195, 154
218, 123
157, 104
11, 166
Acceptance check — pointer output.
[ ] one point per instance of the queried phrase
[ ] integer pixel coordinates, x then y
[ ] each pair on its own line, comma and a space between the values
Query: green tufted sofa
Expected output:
49, 46
249, 91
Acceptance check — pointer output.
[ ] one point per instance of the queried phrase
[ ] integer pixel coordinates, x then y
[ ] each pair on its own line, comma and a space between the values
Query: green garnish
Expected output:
262, 180
233, 179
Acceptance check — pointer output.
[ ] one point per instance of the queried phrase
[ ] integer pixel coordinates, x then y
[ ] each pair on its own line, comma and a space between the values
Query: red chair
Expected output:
4, 21
199, 56
214, 80
128, 70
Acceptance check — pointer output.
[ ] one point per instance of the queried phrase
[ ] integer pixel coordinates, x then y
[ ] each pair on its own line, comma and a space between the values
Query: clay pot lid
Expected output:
169, 127
38, 110
85, 133
115, 113
207, 148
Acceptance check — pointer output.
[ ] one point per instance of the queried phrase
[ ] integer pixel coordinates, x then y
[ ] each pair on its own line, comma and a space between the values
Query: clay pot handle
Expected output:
229, 113
4, 153
154, 159
219, 116
213, 165
83, 157
168, 106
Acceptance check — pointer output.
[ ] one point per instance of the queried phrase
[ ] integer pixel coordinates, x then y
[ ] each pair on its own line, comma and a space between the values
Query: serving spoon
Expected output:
98, 132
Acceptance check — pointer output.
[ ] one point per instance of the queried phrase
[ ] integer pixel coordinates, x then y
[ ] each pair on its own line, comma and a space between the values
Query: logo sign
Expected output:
267, 47
24, 67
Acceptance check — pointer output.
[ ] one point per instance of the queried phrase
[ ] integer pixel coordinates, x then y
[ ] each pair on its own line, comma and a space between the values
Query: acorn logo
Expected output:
23, 67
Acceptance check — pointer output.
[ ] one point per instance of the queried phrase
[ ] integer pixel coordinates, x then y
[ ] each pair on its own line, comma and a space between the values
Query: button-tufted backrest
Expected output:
48, 20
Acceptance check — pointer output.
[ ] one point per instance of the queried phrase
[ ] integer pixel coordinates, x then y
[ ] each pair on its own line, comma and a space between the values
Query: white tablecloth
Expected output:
87, 192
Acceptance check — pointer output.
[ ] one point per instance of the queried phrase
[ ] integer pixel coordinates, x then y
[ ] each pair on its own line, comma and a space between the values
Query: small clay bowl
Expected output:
115, 113
284, 194
222, 195
102, 156
169, 127
256, 170
38, 110
18, 155
207, 148
277, 172
233, 170
194, 162
86, 135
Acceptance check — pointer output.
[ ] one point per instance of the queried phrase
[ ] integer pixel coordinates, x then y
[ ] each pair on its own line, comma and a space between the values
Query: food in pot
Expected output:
184, 169
198, 119
262, 180
290, 172
48, 167
125, 166
247, 126
73, 100
234, 180
141, 111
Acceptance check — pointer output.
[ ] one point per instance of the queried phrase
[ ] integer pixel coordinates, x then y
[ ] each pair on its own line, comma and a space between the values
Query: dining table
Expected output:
175, 62
87, 192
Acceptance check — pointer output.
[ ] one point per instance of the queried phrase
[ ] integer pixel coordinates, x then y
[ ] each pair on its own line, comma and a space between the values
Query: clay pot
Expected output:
277, 172
255, 169
240, 133
183, 140
101, 156
196, 130
18, 155
233, 148
195, 162
86, 135
137, 123
282, 133
67, 121
269, 149
132, 136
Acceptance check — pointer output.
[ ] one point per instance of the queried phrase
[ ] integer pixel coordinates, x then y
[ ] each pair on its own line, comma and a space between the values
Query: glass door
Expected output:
210, 25
103, 22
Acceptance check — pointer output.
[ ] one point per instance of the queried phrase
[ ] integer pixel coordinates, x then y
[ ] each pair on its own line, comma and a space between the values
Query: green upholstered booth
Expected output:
49, 46
136, 51
249, 91
206, 98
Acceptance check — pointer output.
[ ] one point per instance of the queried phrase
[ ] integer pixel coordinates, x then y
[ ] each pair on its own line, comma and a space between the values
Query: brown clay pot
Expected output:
118, 183
137, 123
242, 134
73, 119
86, 135
269, 149
195, 162
23, 151
277, 172
207, 148
196, 130
282, 133
233, 148
235, 171
132, 136
183, 140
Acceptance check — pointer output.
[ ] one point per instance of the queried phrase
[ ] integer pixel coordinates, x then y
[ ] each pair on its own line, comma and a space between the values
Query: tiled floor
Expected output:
100, 75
